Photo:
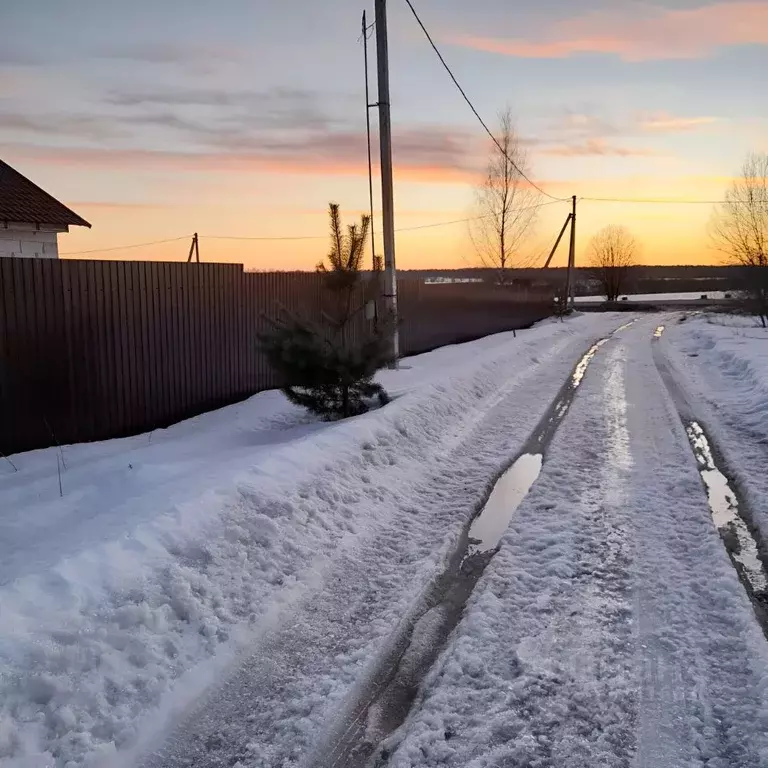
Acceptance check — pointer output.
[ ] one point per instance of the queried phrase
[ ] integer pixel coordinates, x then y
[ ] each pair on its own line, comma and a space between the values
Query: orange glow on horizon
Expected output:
669, 234
255, 201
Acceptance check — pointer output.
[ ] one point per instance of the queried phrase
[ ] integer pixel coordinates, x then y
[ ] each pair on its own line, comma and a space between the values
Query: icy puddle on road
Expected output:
728, 512
389, 693
724, 505
513, 486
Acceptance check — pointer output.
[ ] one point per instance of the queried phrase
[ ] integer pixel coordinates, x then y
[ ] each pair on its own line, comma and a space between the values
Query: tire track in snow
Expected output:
392, 692
611, 629
602, 593
302, 675
731, 403
538, 673
701, 654
732, 516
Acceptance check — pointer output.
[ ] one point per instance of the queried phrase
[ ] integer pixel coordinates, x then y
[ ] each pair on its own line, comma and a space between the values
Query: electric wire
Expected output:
472, 106
125, 247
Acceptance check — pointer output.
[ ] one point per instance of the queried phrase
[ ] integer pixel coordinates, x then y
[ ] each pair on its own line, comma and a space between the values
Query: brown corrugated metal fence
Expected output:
96, 349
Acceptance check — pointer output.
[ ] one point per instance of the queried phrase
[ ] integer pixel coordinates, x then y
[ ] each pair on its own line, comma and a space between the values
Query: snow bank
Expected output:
732, 353
170, 549
723, 362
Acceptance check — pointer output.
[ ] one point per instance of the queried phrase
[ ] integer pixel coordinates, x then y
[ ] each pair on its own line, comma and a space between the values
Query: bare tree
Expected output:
739, 228
503, 207
612, 251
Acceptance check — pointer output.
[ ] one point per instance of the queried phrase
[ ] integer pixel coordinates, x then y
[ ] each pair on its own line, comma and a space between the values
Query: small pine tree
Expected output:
323, 375
346, 255
324, 371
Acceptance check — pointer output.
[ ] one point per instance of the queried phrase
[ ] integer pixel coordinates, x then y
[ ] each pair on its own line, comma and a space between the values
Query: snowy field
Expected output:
656, 297
168, 554
220, 593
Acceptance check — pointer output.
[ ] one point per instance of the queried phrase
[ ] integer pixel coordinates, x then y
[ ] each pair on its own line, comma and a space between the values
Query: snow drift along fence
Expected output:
91, 350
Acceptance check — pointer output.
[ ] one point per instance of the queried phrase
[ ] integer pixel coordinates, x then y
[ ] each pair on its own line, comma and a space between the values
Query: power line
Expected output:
264, 239
368, 32
125, 247
291, 238
512, 162
472, 218
400, 229
658, 201
294, 238
472, 107
442, 223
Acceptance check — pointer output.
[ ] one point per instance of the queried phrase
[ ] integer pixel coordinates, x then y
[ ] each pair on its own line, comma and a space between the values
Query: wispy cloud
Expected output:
596, 147
428, 154
284, 129
83, 126
279, 98
189, 59
168, 52
274, 108
584, 123
645, 33
593, 131
663, 122
13, 55
196, 117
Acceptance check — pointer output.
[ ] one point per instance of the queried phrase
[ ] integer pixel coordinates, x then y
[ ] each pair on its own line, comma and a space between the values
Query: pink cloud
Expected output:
428, 170
653, 34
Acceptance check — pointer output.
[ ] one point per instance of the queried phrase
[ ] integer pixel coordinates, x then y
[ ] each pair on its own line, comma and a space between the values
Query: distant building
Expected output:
30, 219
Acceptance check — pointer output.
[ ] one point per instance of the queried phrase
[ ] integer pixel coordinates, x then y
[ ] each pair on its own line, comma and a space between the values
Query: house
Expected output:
30, 219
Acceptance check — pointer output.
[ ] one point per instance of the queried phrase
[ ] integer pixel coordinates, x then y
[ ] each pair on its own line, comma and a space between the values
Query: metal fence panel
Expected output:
91, 350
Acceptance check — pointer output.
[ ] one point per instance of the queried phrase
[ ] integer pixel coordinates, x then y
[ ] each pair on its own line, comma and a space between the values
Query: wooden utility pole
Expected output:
557, 242
387, 196
570, 282
368, 106
194, 249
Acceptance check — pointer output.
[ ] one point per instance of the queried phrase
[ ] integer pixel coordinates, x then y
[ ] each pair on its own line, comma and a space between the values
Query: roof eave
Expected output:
76, 221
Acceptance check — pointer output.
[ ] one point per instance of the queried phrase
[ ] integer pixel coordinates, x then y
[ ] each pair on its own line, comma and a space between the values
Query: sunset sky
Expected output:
153, 120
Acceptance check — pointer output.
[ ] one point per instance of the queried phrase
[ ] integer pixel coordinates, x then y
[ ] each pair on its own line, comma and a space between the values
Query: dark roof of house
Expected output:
23, 201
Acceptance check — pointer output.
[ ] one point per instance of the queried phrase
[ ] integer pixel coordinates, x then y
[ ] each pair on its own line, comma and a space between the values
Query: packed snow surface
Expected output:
611, 628
216, 594
170, 558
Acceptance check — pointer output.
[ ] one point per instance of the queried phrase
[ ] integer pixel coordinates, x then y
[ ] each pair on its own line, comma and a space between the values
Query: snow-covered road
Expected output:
170, 557
236, 591
611, 628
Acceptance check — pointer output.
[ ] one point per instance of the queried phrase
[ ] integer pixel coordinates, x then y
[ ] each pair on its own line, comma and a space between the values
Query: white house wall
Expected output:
23, 242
